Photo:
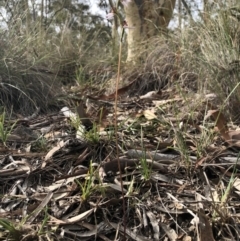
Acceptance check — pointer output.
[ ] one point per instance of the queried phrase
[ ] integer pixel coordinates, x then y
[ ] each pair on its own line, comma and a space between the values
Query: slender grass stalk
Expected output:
5, 131
44, 223
87, 187
116, 131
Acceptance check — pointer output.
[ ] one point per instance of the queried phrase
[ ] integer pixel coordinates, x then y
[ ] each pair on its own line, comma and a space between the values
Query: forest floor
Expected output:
170, 172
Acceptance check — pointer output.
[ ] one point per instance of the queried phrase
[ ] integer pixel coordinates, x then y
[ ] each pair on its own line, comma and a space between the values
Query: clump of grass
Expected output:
5, 128
40, 145
146, 169
155, 69
93, 134
87, 187
13, 233
211, 52
36, 61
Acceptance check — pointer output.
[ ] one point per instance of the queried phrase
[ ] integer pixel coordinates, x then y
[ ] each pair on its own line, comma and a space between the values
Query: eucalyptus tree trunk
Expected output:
145, 19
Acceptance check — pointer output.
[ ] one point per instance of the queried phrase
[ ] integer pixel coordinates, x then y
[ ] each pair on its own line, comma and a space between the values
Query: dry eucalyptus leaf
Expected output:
149, 114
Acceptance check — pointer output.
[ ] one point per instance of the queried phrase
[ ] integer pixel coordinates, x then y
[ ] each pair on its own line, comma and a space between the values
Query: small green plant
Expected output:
40, 144
76, 123
44, 223
87, 187
81, 76
182, 148
146, 170
221, 209
204, 141
130, 190
93, 135
17, 232
13, 232
5, 130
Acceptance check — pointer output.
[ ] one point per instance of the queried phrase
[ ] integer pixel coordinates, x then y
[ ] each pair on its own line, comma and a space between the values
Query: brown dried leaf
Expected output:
200, 161
163, 144
121, 91
205, 228
235, 137
220, 122
82, 157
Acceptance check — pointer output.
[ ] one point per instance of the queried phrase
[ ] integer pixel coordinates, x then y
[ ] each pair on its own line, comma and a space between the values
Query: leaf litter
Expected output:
60, 176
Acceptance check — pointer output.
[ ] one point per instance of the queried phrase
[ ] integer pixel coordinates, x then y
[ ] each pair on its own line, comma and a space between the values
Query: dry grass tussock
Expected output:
201, 57
157, 69
164, 63
211, 52
35, 63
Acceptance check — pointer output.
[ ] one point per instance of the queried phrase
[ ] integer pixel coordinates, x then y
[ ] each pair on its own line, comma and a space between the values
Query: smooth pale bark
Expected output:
145, 19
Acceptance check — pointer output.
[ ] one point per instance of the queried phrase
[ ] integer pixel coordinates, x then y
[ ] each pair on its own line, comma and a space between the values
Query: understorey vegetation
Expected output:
96, 147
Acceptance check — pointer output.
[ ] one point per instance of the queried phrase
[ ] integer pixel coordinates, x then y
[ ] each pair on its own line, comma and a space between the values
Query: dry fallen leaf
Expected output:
234, 135
163, 102
121, 91
149, 114
79, 217
220, 122
151, 95
154, 224
53, 151
170, 232
205, 228
41, 206
187, 238
201, 160
236, 184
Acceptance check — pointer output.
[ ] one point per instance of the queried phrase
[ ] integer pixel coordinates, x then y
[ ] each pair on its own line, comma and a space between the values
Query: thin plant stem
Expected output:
116, 130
